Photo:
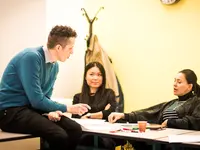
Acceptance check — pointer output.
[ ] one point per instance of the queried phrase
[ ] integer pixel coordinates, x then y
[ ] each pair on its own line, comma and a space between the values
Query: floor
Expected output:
28, 144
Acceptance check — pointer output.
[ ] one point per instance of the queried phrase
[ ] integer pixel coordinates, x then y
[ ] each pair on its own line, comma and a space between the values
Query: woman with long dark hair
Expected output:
99, 98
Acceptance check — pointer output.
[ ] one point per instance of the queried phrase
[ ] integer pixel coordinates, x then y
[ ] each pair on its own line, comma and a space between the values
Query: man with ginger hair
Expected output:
26, 88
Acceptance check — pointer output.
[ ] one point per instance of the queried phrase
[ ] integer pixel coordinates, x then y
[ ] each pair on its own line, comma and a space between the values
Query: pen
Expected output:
114, 131
124, 130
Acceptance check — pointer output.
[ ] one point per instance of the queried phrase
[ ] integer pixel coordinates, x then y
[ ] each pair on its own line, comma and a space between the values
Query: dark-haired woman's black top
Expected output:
99, 103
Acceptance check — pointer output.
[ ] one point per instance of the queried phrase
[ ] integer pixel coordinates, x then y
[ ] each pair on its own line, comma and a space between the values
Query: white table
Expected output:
151, 136
185, 144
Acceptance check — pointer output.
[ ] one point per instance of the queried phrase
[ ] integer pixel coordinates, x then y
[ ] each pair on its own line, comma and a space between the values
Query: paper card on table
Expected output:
107, 127
89, 121
184, 138
130, 126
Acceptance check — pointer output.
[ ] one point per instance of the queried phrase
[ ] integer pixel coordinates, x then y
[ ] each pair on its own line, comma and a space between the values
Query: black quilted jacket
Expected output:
188, 113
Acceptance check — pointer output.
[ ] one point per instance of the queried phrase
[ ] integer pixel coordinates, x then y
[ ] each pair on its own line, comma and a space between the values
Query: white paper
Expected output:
89, 121
106, 128
184, 138
96, 125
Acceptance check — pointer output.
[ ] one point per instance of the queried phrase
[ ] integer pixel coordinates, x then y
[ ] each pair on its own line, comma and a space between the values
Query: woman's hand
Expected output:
84, 117
107, 107
113, 117
87, 116
55, 116
164, 124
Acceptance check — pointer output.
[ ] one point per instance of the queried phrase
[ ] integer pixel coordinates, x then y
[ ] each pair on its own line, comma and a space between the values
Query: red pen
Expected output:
114, 131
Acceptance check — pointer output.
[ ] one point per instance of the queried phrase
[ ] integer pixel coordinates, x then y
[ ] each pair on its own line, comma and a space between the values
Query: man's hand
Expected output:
55, 116
79, 109
113, 117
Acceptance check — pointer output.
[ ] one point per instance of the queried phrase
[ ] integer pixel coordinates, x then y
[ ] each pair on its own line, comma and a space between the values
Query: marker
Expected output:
130, 130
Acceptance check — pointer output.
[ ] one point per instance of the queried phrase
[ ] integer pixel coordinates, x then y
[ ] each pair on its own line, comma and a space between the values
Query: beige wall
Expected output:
22, 24
68, 12
149, 43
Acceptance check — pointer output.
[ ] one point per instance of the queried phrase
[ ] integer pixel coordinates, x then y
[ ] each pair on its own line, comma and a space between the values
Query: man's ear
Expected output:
58, 47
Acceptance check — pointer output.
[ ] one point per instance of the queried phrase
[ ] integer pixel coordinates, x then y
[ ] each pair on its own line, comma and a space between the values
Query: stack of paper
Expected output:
184, 138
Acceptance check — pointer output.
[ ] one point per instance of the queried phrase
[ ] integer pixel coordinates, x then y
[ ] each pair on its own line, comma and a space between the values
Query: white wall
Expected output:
26, 23
22, 24
68, 12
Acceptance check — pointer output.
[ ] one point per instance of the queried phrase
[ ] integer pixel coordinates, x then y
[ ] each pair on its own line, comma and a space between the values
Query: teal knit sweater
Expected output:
28, 80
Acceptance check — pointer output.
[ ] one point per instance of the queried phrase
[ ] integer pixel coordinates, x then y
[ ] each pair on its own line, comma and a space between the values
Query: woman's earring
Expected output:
192, 92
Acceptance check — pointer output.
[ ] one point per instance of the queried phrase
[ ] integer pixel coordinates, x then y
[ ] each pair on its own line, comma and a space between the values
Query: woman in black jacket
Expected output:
180, 113
98, 97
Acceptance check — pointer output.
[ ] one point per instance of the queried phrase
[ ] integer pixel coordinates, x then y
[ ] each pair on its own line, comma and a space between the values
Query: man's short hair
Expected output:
59, 35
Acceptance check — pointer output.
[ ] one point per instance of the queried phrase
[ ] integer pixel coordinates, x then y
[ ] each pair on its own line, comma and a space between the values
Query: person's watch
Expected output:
88, 115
